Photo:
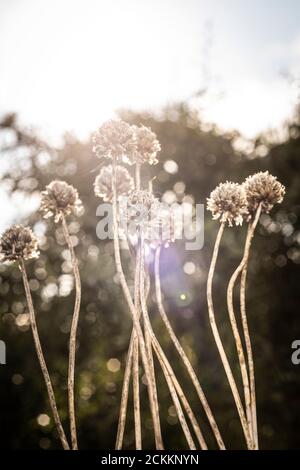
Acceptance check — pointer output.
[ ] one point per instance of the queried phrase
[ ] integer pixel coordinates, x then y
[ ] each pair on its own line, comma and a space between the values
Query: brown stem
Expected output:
172, 382
73, 335
250, 234
183, 355
219, 343
135, 319
41, 359
124, 396
146, 331
131, 362
135, 365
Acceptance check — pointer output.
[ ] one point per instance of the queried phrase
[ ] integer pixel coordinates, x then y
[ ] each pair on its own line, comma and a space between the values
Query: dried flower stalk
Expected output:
262, 191
73, 335
41, 359
219, 343
59, 200
124, 396
136, 322
19, 244
183, 355
234, 326
173, 384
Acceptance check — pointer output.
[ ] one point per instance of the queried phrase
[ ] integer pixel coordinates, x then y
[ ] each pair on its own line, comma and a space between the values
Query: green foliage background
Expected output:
205, 157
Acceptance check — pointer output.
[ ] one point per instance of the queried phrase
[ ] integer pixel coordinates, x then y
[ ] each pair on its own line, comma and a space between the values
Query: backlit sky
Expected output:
68, 64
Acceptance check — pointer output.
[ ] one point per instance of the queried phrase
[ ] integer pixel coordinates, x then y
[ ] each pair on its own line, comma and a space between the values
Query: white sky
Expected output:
68, 64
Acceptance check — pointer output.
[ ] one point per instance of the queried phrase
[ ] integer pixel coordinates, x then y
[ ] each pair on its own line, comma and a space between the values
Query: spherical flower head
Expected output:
115, 139
103, 182
60, 199
18, 243
263, 188
147, 146
228, 203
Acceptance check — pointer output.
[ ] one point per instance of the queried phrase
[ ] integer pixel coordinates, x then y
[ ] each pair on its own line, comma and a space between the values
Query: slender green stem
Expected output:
42, 361
73, 336
183, 355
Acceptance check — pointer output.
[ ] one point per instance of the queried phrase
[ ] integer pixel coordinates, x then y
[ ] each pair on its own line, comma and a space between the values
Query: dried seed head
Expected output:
60, 198
115, 139
103, 182
147, 146
141, 197
263, 188
228, 203
18, 242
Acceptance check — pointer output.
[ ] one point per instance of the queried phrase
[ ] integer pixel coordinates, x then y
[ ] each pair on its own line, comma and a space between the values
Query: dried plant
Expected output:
140, 202
103, 182
232, 209
147, 146
182, 353
59, 200
262, 191
19, 244
173, 384
115, 140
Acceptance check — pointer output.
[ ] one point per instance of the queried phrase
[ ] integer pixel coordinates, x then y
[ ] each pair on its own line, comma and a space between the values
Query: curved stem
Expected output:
135, 319
233, 322
183, 355
219, 343
124, 396
73, 335
42, 361
172, 382
250, 234
135, 365
132, 362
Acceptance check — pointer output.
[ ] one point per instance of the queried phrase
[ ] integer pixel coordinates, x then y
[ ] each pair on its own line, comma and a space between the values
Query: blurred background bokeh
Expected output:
200, 149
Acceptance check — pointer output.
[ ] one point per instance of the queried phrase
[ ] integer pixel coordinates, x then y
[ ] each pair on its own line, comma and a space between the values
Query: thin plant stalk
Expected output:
42, 361
148, 340
135, 363
124, 396
183, 355
135, 318
172, 382
132, 363
219, 343
73, 336
242, 269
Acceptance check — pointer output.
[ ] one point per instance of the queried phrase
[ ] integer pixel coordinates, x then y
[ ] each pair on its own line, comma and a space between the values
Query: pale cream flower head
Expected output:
147, 146
18, 243
263, 188
60, 199
115, 139
103, 182
228, 203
